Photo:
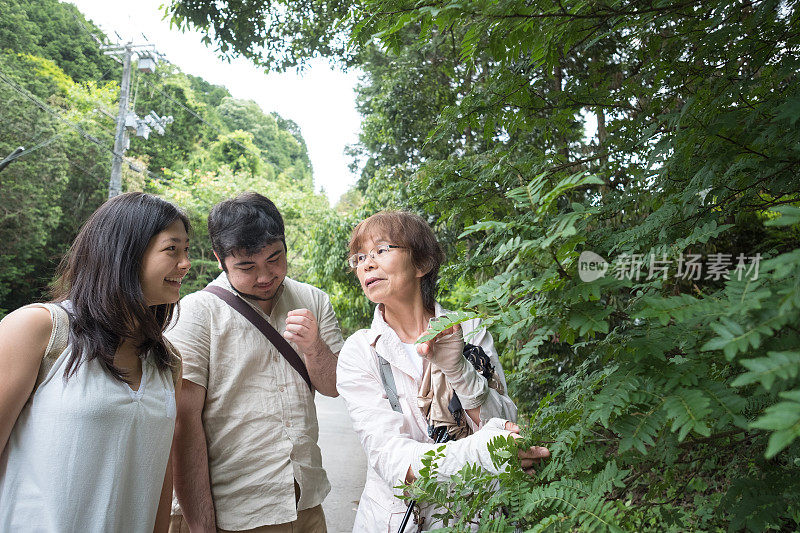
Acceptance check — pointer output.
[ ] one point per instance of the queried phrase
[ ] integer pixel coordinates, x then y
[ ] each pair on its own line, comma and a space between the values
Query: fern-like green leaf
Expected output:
584, 510
765, 370
783, 419
610, 477
788, 215
734, 338
687, 408
441, 323
639, 430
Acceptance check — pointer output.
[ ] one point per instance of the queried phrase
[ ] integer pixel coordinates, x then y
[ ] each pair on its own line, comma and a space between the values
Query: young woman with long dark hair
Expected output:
87, 382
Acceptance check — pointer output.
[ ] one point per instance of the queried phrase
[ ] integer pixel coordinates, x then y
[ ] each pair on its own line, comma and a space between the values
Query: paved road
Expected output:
344, 460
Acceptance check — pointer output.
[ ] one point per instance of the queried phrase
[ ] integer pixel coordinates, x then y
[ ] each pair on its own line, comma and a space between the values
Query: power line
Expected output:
28, 138
176, 102
103, 75
119, 149
48, 109
93, 119
100, 181
68, 160
146, 55
97, 40
167, 96
198, 117
84, 28
21, 151
44, 107
27, 151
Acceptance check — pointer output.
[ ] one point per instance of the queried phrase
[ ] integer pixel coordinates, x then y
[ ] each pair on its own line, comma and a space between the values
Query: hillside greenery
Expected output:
661, 136
58, 99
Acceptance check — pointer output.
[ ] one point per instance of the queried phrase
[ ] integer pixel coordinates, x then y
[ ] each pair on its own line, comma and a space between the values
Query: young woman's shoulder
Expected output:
24, 335
29, 325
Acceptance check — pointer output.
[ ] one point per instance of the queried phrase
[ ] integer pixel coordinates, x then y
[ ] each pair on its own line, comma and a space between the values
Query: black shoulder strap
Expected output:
265, 328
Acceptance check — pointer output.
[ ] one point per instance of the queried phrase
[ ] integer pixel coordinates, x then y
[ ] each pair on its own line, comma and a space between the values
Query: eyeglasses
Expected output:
376, 254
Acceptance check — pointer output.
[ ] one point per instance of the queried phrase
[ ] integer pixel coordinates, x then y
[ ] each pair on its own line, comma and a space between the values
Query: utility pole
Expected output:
120, 138
146, 55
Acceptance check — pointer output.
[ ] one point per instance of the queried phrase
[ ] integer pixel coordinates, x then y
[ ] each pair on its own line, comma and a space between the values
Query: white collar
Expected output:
388, 344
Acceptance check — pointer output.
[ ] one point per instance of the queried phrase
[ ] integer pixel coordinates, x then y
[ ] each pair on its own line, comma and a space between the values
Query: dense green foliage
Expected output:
278, 35
56, 31
655, 134
58, 99
49, 192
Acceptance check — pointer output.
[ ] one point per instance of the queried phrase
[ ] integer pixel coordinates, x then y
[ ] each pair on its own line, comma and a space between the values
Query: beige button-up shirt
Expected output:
259, 415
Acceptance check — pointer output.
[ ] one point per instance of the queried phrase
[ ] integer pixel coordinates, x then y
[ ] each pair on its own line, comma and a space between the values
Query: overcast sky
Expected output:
321, 100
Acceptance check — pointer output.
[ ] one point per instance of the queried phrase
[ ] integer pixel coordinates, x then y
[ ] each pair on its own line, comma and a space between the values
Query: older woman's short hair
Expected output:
409, 231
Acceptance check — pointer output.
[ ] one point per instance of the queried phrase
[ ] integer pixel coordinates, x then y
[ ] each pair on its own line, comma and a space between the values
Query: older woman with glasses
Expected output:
403, 398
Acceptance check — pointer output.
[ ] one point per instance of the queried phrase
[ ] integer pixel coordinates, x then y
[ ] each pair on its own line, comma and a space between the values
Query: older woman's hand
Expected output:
446, 351
528, 457
474, 449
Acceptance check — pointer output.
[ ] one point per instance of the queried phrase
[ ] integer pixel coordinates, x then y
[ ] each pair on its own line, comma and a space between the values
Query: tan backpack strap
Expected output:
59, 339
175, 362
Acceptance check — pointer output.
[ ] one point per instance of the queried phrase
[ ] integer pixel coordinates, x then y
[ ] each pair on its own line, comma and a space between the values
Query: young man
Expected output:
246, 454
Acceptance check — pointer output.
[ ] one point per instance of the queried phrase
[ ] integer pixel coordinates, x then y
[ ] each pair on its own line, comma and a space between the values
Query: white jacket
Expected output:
392, 440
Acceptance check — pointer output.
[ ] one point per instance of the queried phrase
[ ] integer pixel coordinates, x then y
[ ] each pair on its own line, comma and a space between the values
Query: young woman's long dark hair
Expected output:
100, 278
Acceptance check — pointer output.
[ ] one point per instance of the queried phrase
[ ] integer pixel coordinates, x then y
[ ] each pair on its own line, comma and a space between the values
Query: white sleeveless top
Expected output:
89, 455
